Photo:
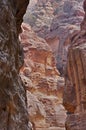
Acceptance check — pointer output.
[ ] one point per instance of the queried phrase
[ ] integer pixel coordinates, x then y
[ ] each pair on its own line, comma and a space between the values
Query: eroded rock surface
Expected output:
55, 21
43, 83
75, 89
68, 17
13, 112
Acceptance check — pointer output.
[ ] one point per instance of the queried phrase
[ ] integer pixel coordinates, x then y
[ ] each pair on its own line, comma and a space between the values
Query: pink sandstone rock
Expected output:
43, 83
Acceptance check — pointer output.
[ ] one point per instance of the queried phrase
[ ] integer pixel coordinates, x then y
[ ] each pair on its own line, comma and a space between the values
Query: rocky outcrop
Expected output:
55, 21
43, 83
68, 16
40, 14
75, 88
13, 112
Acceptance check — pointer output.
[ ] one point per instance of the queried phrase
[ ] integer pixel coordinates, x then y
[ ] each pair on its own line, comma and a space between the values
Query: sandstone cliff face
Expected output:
67, 19
43, 83
75, 88
40, 14
55, 21
13, 113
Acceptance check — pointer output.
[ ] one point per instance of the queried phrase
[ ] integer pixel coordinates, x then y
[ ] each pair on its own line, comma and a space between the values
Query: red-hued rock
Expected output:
55, 21
75, 88
43, 82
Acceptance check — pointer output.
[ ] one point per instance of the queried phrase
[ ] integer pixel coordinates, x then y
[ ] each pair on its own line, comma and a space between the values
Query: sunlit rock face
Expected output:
13, 112
75, 88
54, 21
43, 83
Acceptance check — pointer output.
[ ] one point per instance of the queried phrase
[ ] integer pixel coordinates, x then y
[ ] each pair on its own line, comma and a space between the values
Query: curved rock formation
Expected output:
13, 112
75, 88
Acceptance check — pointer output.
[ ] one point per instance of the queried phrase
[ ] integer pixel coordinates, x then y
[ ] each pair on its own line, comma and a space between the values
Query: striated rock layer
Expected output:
13, 112
43, 83
75, 88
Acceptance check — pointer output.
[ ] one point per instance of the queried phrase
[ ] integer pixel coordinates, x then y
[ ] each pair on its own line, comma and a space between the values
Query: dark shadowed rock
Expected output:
13, 112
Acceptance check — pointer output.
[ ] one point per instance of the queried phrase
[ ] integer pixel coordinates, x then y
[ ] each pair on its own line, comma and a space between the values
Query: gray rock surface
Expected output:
13, 111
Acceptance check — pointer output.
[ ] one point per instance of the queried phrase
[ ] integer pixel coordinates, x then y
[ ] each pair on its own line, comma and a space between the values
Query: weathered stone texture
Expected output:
13, 113
43, 83
75, 88
54, 21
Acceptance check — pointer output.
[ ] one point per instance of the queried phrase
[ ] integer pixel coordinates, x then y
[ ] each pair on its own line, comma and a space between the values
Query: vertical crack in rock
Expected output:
75, 88
13, 111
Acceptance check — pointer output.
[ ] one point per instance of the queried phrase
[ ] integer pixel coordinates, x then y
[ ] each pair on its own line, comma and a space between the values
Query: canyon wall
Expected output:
67, 19
59, 24
13, 111
43, 83
55, 21
75, 86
